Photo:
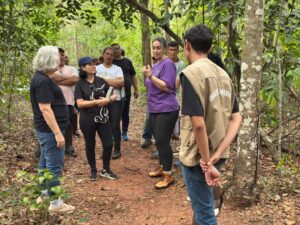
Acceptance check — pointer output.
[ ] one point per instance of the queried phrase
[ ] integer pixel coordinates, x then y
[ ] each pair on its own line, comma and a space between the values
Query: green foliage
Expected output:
287, 165
282, 34
31, 189
293, 77
25, 26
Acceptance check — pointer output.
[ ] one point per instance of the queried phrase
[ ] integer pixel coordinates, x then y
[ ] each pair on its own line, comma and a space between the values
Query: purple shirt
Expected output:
160, 101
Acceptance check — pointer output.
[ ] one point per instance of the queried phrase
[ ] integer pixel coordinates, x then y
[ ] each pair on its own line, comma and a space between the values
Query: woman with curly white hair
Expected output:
51, 118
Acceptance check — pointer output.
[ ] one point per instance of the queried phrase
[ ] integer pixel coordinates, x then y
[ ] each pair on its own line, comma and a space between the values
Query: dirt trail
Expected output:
131, 199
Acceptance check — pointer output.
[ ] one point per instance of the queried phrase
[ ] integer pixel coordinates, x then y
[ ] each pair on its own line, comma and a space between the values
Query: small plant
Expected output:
287, 165
32, 186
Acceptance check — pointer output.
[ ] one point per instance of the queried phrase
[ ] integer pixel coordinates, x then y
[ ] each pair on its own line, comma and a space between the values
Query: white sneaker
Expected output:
217, 210
58, 206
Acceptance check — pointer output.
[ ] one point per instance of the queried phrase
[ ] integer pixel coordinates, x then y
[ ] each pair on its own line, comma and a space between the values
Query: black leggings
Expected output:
162, 125
89, 128
115, 113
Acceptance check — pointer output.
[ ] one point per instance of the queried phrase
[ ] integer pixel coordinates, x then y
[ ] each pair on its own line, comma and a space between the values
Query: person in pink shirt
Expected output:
66, 77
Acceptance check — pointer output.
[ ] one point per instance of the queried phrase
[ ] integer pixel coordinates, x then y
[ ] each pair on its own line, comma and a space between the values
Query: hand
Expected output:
212, 161
215, 158
102, 102
60, 140
212, 177
136, 94
147, 71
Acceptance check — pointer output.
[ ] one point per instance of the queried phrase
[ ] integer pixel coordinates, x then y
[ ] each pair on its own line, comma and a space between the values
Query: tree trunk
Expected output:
146, 47
167, 20
232, 46
245, 171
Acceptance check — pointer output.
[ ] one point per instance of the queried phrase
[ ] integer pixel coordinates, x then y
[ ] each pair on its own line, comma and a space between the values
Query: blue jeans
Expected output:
201, 195
147, 134
51, 158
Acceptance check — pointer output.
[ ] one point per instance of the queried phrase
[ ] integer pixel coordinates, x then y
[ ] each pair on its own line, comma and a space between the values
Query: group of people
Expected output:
209, 114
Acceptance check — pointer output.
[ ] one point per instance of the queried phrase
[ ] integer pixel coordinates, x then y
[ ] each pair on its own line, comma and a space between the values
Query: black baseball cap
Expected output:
85, 60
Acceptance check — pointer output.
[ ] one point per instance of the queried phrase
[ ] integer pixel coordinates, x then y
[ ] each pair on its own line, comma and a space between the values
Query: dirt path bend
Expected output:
131, 199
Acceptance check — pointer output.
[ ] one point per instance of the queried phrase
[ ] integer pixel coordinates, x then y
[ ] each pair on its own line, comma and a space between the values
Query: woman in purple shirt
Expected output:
163, 108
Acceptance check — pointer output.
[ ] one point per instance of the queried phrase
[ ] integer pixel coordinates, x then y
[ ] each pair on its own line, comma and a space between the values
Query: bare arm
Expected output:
212, 176
199, 130
118, 83
67, 81
51, 122
96, 102
156, 81
177, 84
135, 86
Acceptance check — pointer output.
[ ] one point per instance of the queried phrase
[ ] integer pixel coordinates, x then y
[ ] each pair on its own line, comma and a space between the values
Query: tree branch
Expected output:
283, 122
155, 19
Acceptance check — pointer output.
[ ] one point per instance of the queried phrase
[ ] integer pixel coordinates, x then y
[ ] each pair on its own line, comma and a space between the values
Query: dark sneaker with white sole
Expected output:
108, 174
93, 175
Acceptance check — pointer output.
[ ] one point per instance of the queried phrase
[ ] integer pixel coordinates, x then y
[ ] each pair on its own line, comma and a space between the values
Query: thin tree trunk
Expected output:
245, 172
231, 43
167, 20
146, 49
280, 85
279, 61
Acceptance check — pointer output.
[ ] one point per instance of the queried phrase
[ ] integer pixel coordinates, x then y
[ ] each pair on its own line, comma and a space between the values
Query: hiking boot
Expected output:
108, 174
157, 173
165, 182
146, 143
116, 154
124, 136
58, 206
93, 175
71, 151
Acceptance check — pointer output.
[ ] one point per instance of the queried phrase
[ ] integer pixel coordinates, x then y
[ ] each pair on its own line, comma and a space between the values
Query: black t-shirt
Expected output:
128, 73
191, 104
45, 90
90, 91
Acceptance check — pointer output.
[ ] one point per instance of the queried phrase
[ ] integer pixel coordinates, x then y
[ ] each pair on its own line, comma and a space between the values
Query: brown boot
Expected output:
165, 182
157, 173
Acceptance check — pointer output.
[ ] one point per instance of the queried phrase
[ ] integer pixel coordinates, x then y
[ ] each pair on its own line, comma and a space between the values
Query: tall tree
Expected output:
146, 51
245, 172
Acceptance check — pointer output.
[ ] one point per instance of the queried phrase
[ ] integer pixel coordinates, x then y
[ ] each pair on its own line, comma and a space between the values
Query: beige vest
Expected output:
215, 90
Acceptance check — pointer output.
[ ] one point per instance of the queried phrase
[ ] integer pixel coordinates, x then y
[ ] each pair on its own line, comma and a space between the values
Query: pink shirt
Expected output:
68, 91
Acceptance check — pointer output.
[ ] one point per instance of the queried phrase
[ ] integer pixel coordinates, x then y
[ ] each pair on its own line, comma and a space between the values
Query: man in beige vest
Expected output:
210, 121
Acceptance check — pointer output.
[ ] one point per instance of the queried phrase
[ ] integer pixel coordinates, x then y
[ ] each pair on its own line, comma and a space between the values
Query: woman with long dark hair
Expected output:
163, 108
92, 96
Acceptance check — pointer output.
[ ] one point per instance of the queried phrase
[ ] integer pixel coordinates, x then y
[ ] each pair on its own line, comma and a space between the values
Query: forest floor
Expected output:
132, 199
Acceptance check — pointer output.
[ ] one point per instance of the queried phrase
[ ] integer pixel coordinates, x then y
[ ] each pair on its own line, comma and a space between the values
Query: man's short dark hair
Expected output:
200, 37
122, 52
60, 50
105, 49
173, 44
114, 44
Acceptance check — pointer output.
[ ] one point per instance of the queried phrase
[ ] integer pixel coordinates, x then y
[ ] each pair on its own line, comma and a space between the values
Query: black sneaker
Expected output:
146, 143
108, 174
93, 175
